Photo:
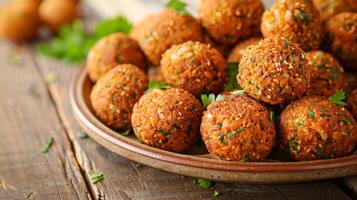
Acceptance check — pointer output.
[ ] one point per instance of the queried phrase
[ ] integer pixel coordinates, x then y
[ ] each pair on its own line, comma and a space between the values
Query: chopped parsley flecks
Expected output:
203, 183
310, 114
299, 123
346, 121
47, 145
96, 176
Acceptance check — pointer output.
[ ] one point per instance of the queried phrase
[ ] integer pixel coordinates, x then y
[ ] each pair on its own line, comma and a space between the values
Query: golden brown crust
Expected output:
327, 75
195, 67
19, 20
274, 71
228, 21
297, 20
56, 13
159, 32
328, 8
115, 94
352, 103
342, 39
238, 128
167, 119
313, 128
237, 53
112, 50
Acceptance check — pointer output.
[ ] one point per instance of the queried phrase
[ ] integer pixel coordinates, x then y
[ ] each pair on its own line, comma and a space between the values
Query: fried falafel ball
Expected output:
313, 128
352, 103
228, 21
56, 13
342, 39
159, 32
112, 50
167, 119
19, 20
238, 128
274, 71
296, 20
327, 75
327, 9
238, 50
195, 67
115, 94
351, 80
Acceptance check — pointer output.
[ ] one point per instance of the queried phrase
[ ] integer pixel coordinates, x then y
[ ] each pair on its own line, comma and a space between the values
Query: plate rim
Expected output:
88, 119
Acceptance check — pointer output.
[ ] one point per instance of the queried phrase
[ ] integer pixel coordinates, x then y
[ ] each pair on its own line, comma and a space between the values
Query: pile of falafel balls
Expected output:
292, 59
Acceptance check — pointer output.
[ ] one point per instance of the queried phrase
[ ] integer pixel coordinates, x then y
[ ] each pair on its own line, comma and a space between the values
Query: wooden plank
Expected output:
123, 181
27, 118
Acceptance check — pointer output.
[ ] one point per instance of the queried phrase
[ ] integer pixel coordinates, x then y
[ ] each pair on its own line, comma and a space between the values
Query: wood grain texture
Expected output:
27, 118
123, 181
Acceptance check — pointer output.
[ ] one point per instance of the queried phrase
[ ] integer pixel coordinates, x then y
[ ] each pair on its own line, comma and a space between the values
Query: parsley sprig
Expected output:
73, 43
178, 5
208, 99
154, 84
338, 98
232, 70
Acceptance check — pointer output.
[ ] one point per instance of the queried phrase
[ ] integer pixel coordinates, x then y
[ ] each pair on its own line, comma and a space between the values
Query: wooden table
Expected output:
31, 111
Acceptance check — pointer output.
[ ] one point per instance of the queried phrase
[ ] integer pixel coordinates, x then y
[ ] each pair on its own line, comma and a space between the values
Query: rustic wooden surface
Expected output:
31, 111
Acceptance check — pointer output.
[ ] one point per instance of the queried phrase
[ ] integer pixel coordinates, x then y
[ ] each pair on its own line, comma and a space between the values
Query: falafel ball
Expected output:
327, 75
238, 50
167, 119
195, 67
351, 80
115, 94
342, 39
159, 32
296, 20
352, 103
56, 13
327, 9
111, 50
228, 21
19, 20
274, 71
313, 128
238, 128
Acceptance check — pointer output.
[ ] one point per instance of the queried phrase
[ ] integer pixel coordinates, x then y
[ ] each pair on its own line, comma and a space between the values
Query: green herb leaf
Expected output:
117, 24
346, 121
338, 98
215, 193
71, 44
50, 78
311, 114
154, 84
203, 183
232, 70
136, 165
207, 100
273, 117
238, 92
178, 5
96, 176
299, 122
126, 133
47, 145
